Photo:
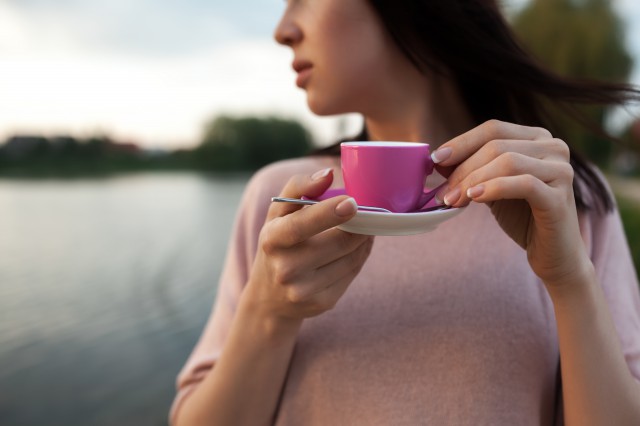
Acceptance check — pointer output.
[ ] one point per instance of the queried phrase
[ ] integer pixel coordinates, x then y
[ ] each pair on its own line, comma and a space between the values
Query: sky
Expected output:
154, 72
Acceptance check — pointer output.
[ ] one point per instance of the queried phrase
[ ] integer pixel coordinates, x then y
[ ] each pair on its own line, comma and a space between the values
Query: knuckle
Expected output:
295, 296
566, 172
530, 183
283, 273
293, 228
562, 148
472, 179
544, 133
492, 127
268, 242
509, 161
495, 147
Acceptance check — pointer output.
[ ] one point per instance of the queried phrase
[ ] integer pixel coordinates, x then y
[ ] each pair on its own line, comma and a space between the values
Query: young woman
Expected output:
524, 309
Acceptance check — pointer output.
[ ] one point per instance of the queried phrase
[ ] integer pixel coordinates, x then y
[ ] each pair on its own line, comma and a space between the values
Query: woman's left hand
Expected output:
524, 175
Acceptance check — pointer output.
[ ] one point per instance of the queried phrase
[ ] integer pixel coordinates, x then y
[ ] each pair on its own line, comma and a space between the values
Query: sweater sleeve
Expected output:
612, 259
239, 258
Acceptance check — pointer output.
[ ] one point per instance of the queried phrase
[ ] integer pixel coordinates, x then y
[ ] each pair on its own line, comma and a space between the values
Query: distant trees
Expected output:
228, 145
248, 143
578, 38
66, 155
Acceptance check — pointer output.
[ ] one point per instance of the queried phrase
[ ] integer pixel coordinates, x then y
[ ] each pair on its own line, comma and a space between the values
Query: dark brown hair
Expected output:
498, 79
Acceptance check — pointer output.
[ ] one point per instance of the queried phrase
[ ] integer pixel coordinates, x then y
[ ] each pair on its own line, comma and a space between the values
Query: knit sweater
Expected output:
450, 327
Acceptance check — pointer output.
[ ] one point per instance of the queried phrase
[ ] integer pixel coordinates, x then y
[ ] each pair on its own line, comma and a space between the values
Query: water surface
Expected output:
105, 285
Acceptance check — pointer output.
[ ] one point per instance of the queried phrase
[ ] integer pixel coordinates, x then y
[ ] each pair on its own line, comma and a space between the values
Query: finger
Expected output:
462, 147
536, 193
554, 173
548, 149
299, 262
319, 280
334, 292
292, 229
327, 247
298, 186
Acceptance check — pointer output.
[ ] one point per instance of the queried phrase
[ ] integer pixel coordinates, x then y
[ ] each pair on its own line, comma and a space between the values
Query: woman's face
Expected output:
345, 60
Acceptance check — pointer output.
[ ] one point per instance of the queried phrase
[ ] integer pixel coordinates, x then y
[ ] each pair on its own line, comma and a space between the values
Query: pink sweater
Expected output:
449, 327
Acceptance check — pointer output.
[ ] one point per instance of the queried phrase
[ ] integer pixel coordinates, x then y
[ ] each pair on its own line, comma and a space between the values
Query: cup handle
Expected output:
428, 195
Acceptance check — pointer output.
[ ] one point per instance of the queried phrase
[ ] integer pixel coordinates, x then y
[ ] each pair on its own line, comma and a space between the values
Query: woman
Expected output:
522, 310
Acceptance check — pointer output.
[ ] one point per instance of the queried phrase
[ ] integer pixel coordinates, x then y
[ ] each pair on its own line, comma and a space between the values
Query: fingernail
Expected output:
346, 207
439, 197
321, 173
452, 196
475, 191
441, 154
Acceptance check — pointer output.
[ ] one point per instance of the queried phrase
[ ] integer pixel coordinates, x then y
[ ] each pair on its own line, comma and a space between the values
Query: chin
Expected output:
323, 107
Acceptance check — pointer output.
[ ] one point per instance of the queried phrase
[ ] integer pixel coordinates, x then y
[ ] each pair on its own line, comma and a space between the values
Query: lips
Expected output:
303, 68
300, 65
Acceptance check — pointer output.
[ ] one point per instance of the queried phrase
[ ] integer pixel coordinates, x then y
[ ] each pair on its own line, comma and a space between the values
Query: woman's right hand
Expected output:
304, 264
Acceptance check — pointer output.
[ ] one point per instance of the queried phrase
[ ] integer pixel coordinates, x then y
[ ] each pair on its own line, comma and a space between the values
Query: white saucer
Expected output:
374, 223
393, 224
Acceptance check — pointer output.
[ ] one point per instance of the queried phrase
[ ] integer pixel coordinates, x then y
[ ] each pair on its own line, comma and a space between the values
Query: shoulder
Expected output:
272, 178
593, 192
601, 230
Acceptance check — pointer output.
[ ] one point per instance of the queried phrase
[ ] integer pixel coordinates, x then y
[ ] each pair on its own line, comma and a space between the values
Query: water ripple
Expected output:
105, 285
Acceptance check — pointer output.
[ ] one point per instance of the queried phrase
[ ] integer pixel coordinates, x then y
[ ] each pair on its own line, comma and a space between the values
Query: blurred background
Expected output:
127, 133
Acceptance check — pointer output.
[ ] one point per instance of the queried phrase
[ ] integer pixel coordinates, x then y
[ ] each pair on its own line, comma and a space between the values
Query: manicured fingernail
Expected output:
439, 197
475, 191
452, 196
321, 173
441, 154
346, 207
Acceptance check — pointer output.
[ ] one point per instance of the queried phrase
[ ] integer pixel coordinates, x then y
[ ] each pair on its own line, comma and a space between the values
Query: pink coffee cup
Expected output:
391, 175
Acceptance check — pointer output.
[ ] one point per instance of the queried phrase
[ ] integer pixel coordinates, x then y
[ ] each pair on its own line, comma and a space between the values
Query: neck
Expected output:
435, 118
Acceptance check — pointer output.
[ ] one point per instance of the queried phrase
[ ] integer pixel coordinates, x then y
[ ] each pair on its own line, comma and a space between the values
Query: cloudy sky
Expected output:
154, 71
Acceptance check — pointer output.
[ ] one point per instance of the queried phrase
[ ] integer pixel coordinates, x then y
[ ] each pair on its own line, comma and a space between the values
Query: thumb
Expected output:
310, 186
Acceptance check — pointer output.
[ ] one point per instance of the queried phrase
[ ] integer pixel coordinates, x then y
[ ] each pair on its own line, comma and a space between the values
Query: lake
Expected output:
105, 285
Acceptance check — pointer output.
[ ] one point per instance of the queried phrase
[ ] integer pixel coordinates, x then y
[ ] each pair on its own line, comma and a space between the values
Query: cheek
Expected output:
341, 90
348, 67
352, 65
358, 74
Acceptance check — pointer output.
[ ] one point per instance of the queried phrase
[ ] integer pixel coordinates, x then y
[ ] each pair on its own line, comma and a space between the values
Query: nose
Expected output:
287, 32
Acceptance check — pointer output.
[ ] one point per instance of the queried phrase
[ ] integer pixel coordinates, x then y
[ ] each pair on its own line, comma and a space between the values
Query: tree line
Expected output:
228, 144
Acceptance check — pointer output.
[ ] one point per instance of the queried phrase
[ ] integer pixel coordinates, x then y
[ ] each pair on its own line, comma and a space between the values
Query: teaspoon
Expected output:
310, 202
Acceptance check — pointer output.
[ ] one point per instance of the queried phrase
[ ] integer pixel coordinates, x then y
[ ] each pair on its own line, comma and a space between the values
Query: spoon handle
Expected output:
310, 202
